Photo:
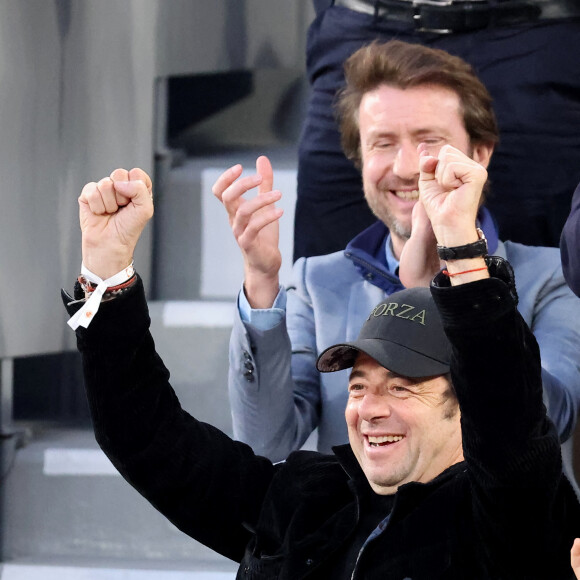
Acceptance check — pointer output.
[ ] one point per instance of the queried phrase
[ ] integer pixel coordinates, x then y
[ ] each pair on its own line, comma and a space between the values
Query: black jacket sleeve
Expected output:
522, 504
208, 485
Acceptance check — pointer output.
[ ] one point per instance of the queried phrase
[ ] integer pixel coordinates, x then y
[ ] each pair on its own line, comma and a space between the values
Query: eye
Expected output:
433, 141
355, 389
383, 144
399, 390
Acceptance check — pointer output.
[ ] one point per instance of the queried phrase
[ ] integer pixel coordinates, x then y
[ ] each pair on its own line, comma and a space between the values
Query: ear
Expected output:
482, 153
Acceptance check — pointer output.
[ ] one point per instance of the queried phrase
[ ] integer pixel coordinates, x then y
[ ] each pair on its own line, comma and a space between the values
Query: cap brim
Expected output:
399, 359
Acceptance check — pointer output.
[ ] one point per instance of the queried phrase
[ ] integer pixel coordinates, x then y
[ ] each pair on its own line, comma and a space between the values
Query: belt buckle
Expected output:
417, 5
417, 16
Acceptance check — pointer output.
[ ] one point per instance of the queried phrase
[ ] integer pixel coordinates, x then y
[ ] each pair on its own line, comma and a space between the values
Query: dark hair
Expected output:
404, 65
450, 395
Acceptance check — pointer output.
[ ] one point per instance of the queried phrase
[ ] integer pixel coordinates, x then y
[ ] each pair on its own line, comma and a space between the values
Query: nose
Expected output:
406, 165
373, 407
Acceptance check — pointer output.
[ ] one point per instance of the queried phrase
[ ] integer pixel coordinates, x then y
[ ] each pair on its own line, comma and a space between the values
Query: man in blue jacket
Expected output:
453, 469
398, 95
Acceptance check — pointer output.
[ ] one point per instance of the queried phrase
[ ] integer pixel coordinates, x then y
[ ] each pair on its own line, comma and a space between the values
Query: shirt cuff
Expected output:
263, 318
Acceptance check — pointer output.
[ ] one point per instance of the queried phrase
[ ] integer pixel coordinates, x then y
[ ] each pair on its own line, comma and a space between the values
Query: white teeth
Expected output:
384, 439
408, 194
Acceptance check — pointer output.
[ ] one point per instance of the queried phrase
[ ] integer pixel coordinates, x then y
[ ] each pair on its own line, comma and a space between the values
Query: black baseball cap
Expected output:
403, 334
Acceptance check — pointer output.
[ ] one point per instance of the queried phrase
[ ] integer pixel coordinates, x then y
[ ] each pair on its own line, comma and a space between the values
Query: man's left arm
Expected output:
521, 502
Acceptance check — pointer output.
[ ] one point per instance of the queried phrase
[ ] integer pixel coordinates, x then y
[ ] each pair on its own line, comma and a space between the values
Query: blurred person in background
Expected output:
524, 51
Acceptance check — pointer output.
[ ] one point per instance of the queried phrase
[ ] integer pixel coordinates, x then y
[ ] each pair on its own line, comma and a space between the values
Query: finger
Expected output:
419, 215
120, 174
449, 152
137, 174
456, 173
258, 222
449, 155
87, 193
575, 556
108, 195
231, 197
264, 168
135, 192
449, 174
92, 200
423, 149
427, 167
421, 224
251, 208
225, 180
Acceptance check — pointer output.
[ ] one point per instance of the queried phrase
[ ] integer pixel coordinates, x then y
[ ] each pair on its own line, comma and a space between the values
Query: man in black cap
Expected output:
453, 470
402, 413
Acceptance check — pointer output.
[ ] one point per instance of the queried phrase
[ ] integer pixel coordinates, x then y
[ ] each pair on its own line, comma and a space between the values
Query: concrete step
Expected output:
64, 500
192, 338
75, 569
68, 513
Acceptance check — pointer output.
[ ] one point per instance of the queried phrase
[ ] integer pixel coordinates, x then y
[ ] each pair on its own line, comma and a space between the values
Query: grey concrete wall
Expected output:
219, 35
77, 81
76, 101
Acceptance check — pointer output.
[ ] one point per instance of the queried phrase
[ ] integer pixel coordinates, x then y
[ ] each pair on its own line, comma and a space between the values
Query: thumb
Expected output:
135, 191
427, 167
419, 219
264, 168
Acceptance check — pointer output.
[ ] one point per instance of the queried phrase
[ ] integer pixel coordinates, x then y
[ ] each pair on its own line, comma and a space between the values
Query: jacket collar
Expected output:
351, 466
408, 494
367, 251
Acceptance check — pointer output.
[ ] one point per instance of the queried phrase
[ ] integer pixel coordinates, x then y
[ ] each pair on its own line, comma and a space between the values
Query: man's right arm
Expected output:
270, 411
273, 382
194, 474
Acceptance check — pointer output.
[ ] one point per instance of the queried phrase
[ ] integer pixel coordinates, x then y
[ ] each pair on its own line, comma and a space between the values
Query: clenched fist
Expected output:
113, 213
450, 187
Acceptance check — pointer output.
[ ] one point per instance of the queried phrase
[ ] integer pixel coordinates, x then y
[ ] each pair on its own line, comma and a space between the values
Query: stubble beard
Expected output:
382, 212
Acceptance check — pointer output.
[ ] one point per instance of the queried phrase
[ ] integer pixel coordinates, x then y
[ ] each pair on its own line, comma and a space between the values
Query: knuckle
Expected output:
87, 188
119, 174
238, 231
218, 189
244, 211
226, 198
104, 183
93, 194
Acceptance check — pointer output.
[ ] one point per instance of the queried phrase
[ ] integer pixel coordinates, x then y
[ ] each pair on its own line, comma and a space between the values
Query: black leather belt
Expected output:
447, 16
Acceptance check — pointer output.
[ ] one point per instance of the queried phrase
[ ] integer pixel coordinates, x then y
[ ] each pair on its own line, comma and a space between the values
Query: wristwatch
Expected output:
473, 250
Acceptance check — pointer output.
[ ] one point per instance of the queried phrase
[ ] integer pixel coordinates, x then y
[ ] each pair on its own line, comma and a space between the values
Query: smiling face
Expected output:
401, 429
392, 123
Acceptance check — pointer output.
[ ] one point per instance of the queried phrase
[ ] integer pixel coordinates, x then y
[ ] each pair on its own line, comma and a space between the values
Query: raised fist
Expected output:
113, 213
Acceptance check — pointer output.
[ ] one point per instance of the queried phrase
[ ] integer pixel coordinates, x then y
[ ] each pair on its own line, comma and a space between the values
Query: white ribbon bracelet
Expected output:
85, 315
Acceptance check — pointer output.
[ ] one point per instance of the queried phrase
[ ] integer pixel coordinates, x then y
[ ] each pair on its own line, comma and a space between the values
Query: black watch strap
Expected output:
473, 250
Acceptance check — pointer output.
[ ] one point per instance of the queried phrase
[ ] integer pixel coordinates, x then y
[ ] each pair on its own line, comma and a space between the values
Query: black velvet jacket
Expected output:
504, 513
